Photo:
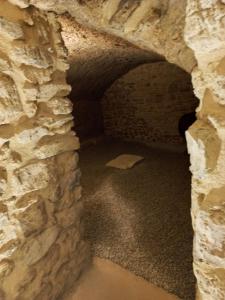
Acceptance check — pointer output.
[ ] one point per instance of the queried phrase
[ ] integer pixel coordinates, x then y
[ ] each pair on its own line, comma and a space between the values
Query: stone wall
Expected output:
206, 144
145, 105
156, 25
41, 250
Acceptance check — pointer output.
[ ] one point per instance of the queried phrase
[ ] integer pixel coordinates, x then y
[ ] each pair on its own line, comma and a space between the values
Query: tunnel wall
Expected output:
145, 104
41, 249
96, 60
206, 145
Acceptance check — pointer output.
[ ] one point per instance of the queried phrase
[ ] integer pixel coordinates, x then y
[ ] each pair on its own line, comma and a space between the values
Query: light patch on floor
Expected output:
108, 281
124, 161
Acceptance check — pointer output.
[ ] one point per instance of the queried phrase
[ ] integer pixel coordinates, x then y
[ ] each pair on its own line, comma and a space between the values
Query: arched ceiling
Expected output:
97, 59
154, 25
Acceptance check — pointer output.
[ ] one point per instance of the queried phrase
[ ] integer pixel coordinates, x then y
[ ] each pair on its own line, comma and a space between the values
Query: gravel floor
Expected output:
140, 218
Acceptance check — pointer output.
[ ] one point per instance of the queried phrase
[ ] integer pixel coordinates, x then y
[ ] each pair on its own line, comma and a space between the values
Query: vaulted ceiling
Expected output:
97, 59
154, 25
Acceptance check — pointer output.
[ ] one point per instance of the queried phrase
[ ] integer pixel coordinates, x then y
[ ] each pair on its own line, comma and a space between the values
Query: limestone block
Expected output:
68, 197
30, 92
71, 179
50, 146
60, 106
9, 240
75, 180
22, 277
68, 241
21, 3
199, 84
6, 267
24, 143
36, 248
211, 108
10, 30
29, 178
32, 56
28, 137
4, 63
10, 106
72, 267
204, 147
209, 240
7, 156
204, 34
65, 127
3, 180
36, 76
212, 78
50, 261
46, 289
55, 124
32, 217
48, 91
70, 216
208, 279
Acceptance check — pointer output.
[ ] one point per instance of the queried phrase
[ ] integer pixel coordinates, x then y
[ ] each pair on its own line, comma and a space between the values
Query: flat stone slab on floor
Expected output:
124, 161
108, 281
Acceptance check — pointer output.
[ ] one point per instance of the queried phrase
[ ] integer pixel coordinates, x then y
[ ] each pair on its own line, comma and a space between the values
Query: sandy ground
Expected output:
140, 218
107, 281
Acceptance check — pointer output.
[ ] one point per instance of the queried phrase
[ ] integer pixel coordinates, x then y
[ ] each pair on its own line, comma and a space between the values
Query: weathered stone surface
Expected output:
10, 30
36, 155
206, 143
8, 237
10, 105
154, 25
32, 217
70, 216
37, 247
60, 106
6, 267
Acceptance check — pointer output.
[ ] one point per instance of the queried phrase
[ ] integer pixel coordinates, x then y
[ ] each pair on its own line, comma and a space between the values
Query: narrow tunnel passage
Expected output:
125, 102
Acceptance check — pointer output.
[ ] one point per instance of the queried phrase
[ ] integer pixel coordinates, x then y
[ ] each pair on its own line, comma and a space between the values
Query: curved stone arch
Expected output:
97, 58
155, 25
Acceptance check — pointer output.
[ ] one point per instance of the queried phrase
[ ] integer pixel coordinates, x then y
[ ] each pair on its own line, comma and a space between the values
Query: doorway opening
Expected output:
127, 103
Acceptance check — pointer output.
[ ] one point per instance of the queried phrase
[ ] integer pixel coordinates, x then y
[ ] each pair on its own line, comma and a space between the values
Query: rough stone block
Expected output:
36, 248
10, 30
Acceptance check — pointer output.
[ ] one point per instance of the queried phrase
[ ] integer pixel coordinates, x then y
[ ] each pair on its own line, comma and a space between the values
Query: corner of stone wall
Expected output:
204, 33
41, 248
